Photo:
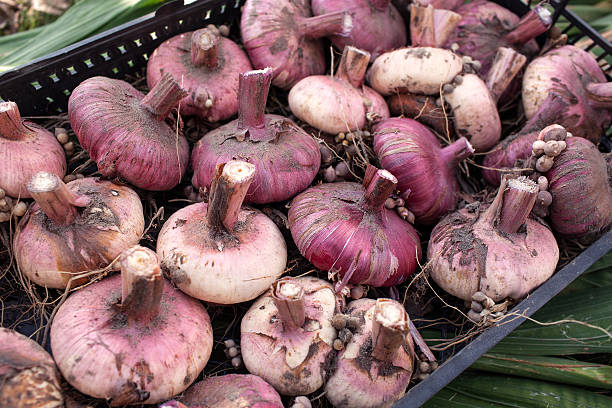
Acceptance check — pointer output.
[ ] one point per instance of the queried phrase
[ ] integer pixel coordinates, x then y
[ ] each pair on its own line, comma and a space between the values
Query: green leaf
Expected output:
605, 262
450, 399
589, 12
144, 7
9, 43
472, 389
591, 2
591, 307
598, 275
80, 21
561, 370
605, 20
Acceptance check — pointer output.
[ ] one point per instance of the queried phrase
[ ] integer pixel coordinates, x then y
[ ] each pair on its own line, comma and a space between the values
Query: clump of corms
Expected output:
398, 203
470, 66
349, 142
338, 172
483, 309
232, 351
345, 325
550, 144
62, 137
544, 199
424, 367
10, 207
358, 291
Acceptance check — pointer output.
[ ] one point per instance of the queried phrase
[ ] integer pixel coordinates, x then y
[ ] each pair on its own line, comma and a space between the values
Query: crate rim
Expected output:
423, 391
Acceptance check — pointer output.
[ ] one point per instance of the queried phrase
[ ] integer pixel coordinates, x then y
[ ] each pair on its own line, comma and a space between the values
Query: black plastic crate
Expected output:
43, 86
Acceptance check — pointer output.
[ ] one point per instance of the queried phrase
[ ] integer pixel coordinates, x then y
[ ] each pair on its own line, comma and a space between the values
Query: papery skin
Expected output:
580, 182
226, 269
37, 150
28, 375
374, 30
91, 242
475, 113
419, 70
125, 139
271, 37
286, 165
441, 4
232, 391
334, 231
263, 341
567, 71
103, 354
360, 380
220, 83
467, 254
425, 172
481, 32
334, 105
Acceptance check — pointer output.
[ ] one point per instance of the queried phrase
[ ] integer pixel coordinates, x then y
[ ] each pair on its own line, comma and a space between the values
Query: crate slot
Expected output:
36, 85
153, 35
222, 9
207, 15
236, 3
122, 49
138, 42
105, 55
88, 63
54, 77
49, 99
67, 92
71, 70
